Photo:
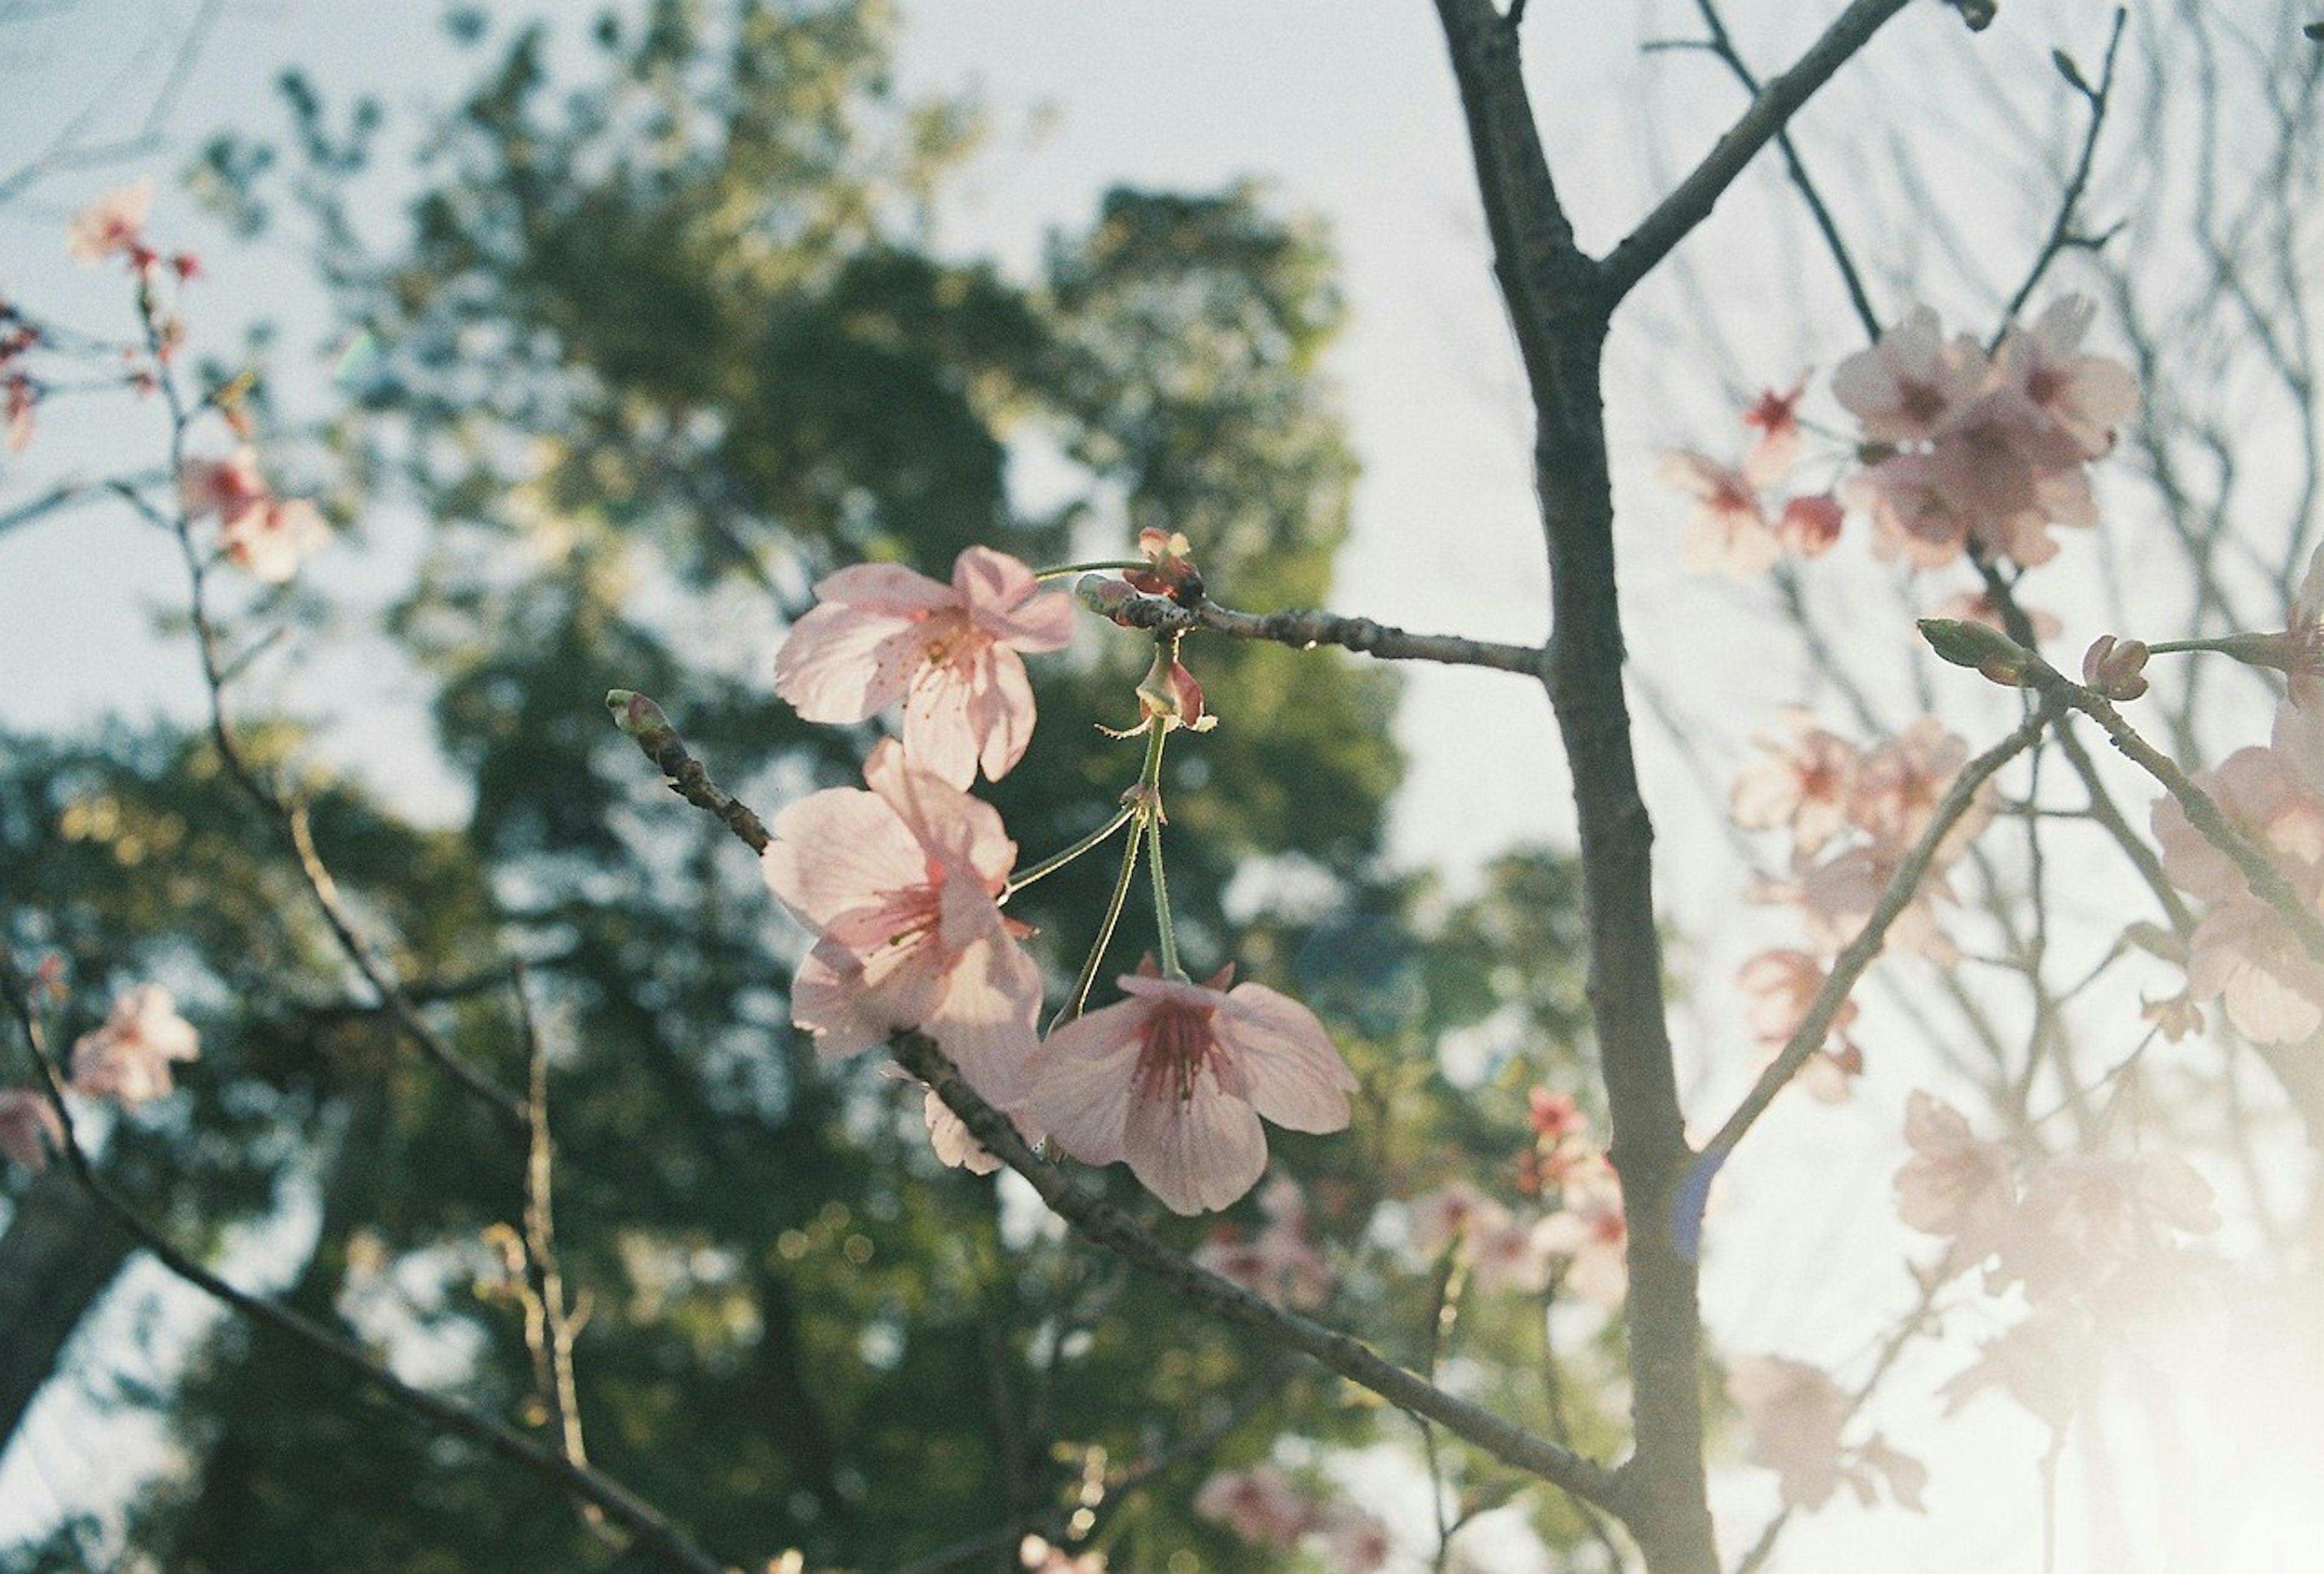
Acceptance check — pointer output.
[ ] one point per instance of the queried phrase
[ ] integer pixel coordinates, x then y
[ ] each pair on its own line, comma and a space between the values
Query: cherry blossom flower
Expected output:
114, 222
1912, 382
1809, 527
900, 885
950, 653
2088, 396
1796, 1414
1260, 1504
1554, 1116
1777, 417
2116, 668
1779, 986
1900, 784
1804, 781
2084, 1217
1954, 1184
1355, 1540
1728, 531
1283, 1263
1174, 1079
2046, 1362
266, 535
29, 1127
1977, 606
1439, 1218
1589, 1232
128, 1057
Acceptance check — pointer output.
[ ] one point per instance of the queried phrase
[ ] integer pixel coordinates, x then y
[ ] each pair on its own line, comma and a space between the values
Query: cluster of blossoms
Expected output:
1579, 1242
904, 884
2244, 954
266, 535
126, 1058
1852, 815
2089, 1241
1264, 1506
1959, 450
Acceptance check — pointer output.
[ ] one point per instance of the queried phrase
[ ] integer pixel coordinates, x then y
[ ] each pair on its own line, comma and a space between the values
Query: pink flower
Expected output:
1912, 384
1795, 1413
1355, 1540
18, 397
1805, 783
1259, 1505
1174, 1079
29, 1127
128, 1056
273, 539
884, 633
2088, 396
1443, 1216
2046, 1362
901, 886
1777, 418
1810, 525
1900, 785
1589, 1232
114, 222
1554, 1116
2084, 1217
1728, 531
267, 534
1954, 1185
1283, 1264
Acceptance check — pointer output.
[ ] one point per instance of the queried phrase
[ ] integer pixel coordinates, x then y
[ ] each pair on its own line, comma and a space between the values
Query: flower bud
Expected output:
639, 716
1105, 595
1169, 692
2116, 668
1172, 572
1989, 650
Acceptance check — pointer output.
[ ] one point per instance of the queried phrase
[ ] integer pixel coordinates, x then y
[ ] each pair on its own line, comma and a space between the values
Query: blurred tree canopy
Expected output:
667, 337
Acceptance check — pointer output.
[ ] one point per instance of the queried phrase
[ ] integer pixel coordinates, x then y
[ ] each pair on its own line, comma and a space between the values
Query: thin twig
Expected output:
652, 1528
2061, 229
1110, 1227
1304, 630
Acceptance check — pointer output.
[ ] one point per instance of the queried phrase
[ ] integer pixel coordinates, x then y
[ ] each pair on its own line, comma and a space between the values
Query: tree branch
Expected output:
1115, 1230
1691, 201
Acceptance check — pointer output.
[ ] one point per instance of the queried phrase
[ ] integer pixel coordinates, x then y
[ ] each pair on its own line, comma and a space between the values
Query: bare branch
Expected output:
1691, 202
1115, 1230
1304, 629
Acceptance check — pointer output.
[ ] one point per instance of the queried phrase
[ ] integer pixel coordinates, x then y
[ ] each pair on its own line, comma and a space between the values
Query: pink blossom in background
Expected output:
1977, 606
1447, 1215
29, 1127
1914, 381
1588, 1234
128, 1056
2046, 1362
1803, 781
2244, 956
1282, 1263
1779, 986
1505, 1255
1899, 784
1954, 1185
1728, 532
1260, 1504
2300, 720
114, 222
1355, 1539
17, 398
1810, 527
1796, 1414
266, 535
900, 885
951, 653
1777, 418
2084, 1217
1174, 1080
1554, 1116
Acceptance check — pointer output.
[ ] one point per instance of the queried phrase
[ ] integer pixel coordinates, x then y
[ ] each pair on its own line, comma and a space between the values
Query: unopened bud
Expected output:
1989, 650
1172, 572
1104, 595
1170, 693
2116, 668
637, 716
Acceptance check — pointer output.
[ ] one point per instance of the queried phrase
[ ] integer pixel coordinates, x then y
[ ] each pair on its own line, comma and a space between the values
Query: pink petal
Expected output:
842, 664
888, 588
1001, 711
1294, 1077
1082, 1081
1005, 602
1198, 1152
937, 731
837, 851
829, 1000
961, 832
986, 1023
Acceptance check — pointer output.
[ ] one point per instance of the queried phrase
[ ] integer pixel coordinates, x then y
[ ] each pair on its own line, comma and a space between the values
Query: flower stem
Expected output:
1063, 569
1080, 997
1149, 781
1056, 862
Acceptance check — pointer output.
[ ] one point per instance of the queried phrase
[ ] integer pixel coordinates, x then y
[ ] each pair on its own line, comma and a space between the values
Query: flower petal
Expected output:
842, 664
986, 1021
840, 850
1294, 1077
1082, 1081
1198, 1152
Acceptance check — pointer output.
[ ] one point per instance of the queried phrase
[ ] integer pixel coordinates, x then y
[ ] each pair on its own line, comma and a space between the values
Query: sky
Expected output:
1340, 110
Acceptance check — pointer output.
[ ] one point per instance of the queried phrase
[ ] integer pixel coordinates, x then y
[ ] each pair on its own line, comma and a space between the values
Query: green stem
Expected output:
2276, 651
1170, 968
1080, 997
1056, 862
1064, 568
